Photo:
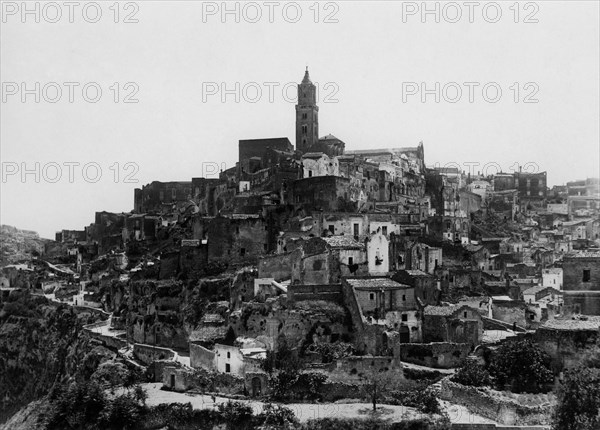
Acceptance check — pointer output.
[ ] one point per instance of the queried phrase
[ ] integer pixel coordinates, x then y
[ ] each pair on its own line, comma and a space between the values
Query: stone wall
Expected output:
278, 267
442, 355
358, 365
328, 292
510, 312
504, 408
182, 379
201, 357
111, 342
149, 353
566, 347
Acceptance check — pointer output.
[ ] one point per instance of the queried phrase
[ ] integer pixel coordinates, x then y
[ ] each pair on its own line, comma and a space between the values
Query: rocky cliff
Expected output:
17, 245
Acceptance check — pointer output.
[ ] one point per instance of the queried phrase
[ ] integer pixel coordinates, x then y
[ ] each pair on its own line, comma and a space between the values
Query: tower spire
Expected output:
306, 79
307, 115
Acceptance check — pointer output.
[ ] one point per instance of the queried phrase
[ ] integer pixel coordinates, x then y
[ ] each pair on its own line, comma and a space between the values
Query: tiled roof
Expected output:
473, 248
442, 310
584, 254
343, 242
535, 290
213, 318
208, 334
375, 283
329, 137
417, 273
591, 323
313, 155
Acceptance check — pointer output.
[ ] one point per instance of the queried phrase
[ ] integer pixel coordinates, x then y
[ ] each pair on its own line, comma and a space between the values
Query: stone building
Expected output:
455, 323
382, 305
324, 260
568, 340
581, 277
427, 288
319, 164
237, 238
162, 196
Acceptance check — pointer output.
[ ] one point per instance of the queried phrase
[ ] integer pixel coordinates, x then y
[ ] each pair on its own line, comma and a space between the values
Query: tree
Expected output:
376, 383
523, 366
578, 398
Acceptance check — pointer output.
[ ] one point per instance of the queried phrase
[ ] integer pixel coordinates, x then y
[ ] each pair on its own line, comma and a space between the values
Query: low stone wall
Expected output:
98, 313
505, 408
149, 353
329, 292
443, 355
111, 342
494, 324
357, 365
336, 390
181, 379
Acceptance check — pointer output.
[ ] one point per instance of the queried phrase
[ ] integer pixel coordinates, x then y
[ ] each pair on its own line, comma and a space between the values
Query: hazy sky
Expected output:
180, 55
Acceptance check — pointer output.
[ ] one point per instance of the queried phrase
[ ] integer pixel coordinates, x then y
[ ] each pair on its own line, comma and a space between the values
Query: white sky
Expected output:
367, 55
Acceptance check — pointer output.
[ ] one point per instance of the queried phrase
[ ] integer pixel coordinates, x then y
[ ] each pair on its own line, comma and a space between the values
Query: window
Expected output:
228, 354
331, 228
310, 173
350, 261
403, 297
174, 194
355, 229
304, 116
304, 129
384, 230
465, 314
586, 275
227, 368
404, 317
371, 296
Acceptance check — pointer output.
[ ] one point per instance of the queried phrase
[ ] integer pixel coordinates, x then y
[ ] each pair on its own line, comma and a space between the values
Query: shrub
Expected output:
472, 374
420, 397
236, 415
278, 417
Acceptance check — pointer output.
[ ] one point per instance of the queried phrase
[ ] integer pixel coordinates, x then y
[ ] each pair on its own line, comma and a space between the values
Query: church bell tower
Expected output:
307, 115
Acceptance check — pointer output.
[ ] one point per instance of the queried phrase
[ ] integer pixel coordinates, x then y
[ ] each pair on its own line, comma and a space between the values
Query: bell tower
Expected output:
307, 115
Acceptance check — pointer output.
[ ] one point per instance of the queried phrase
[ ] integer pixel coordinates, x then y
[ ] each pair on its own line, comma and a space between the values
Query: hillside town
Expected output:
311, 268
